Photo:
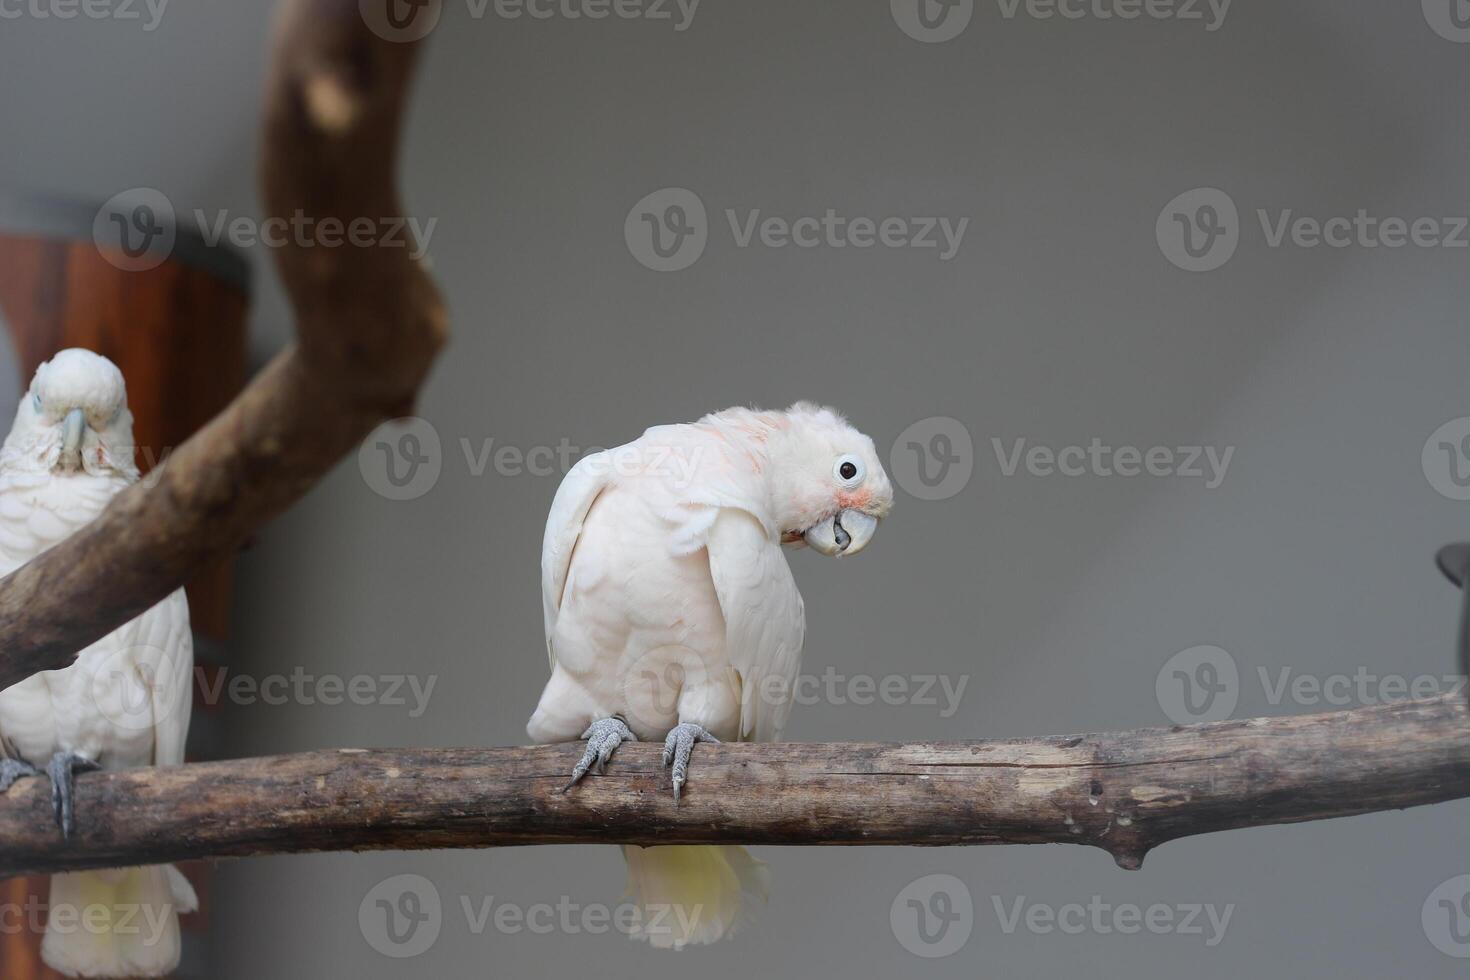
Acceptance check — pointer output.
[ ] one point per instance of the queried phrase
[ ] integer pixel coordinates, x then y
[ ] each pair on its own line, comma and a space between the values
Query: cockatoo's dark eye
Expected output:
849, 470
36, 401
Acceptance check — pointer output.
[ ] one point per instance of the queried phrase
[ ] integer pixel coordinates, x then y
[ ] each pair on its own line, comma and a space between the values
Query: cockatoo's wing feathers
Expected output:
765, 621
579, 490
164, 651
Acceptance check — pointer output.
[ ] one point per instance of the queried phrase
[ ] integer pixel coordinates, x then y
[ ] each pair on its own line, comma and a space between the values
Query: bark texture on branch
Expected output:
1125, 792
369, 323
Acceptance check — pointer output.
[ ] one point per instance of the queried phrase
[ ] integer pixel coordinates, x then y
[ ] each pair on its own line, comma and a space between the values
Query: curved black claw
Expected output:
13, 769
63, 771
677, 748
602, 738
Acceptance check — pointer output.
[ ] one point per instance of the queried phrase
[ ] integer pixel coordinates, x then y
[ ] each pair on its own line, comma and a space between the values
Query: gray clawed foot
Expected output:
63, 771
13, 769
677, 748
602, 738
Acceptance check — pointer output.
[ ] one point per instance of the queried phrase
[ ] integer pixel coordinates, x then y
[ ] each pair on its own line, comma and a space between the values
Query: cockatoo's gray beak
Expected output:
72, 429
845, 534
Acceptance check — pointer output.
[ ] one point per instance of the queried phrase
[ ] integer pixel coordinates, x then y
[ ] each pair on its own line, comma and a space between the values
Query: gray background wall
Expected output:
1060, 319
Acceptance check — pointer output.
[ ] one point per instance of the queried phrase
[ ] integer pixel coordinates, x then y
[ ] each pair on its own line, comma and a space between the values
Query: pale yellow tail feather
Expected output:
117, 923
694, 895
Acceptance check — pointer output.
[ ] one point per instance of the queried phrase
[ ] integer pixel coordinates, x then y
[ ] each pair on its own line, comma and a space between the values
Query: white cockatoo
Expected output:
671, 613
124, 702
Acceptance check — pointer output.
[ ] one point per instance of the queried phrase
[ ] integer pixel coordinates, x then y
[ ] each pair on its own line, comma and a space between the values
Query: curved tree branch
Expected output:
1126, 793
369, 323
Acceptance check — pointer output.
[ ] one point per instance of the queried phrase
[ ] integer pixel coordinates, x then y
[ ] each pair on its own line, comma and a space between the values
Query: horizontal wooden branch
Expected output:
369, 323
1125, 792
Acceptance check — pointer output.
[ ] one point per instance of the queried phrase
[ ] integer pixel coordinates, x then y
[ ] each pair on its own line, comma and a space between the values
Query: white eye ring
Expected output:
852, 465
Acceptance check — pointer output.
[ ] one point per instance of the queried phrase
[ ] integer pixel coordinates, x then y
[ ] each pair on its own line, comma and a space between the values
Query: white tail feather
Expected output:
118, 923
694, 895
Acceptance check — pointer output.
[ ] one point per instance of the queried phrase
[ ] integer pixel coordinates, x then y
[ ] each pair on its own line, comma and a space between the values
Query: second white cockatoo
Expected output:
124, 702
671, 614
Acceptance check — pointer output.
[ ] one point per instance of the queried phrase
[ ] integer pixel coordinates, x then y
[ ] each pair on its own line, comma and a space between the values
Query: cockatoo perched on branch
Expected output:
671, 613
124, 702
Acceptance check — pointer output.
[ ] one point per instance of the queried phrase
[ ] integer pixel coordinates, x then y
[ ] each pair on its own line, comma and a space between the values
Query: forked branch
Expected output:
369, 323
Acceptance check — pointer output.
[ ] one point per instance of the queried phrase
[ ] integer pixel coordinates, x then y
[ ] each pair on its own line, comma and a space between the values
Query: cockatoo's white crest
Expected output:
74, 417
828, 487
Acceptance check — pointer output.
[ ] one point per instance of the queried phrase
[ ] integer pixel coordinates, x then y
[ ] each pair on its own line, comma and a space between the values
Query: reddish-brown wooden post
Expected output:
177, 331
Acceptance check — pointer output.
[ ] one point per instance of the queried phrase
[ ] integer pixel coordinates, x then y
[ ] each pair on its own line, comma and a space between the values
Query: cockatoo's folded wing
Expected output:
579, 490
165, 641
765, 622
